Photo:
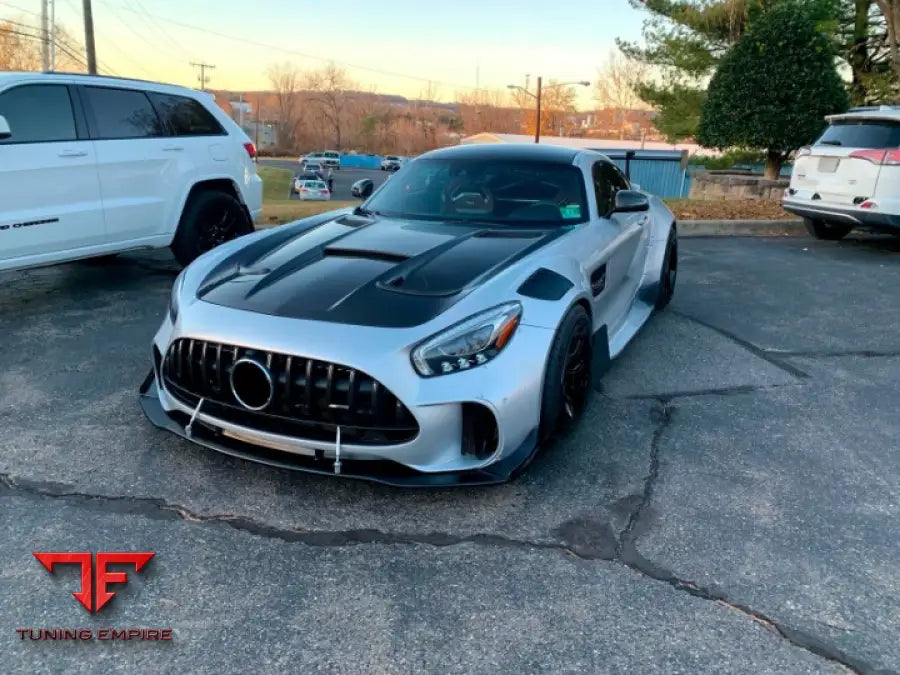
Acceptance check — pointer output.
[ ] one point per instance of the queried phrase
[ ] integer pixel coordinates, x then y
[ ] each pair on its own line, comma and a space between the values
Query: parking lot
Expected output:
729, 503
343, 179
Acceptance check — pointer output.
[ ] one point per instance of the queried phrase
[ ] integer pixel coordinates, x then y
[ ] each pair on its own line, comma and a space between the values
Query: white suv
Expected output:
329, 158
850, 177
93, 166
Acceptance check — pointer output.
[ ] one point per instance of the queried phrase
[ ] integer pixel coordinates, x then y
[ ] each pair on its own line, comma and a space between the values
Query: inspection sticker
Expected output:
570, 211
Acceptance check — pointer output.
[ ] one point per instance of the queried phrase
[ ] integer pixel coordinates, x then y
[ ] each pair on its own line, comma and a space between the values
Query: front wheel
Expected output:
669, 272
826, 231
209, 219
567, 380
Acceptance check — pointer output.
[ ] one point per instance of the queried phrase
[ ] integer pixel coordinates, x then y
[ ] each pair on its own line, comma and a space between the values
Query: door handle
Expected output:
73, 153
173, 148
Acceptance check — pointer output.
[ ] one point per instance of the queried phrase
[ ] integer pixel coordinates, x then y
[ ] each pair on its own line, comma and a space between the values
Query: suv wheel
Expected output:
827, 231
210, 218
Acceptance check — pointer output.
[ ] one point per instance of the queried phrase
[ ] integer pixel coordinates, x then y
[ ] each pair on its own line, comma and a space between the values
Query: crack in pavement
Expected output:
628, 555
759, 352
715, 391
861, 353
623, 552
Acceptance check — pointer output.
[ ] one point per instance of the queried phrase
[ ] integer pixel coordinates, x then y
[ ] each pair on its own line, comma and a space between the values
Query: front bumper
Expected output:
433, 458
385, 472
834, 213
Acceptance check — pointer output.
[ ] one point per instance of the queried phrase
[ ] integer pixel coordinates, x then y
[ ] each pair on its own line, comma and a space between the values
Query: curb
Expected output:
741, 228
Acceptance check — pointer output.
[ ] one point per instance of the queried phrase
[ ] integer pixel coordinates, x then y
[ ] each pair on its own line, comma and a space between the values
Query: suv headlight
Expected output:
175, 298
468, 344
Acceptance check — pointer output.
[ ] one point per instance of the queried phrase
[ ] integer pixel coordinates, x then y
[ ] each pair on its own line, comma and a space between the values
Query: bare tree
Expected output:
618, 82
18, 51
285, 81
20, 47
488, 110
328, 91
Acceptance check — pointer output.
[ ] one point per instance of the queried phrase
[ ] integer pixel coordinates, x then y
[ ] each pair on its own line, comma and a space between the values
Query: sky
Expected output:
393, 46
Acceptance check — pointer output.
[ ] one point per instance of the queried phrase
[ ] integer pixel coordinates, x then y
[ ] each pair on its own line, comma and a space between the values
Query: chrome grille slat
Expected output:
310, 398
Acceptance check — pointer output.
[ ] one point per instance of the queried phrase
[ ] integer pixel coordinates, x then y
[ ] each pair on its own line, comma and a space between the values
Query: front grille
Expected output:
310, 398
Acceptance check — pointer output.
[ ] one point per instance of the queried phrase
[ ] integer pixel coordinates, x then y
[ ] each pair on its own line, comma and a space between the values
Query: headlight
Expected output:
175, 297
466, 345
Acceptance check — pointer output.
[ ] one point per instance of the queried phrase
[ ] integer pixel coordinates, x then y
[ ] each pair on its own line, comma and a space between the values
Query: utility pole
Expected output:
89, 46
537, 128
45, 42
204, 80
258, 122
52, 34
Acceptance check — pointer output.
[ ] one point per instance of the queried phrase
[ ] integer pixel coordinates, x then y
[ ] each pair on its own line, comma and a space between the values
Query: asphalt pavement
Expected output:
343, 179
730, 502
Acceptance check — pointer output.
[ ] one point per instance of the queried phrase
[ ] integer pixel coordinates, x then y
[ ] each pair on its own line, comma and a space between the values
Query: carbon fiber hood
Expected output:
370, 271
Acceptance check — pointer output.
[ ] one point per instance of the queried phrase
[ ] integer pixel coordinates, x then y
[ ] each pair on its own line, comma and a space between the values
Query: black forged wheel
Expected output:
826, 231
668, 275
567, 381
209, 219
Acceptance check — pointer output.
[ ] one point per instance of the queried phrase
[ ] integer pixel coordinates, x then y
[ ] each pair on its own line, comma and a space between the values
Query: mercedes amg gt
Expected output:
437, 334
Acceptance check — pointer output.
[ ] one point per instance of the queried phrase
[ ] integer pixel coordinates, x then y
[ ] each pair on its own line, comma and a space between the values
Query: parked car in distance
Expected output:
326, 158
314, 169
311, 190
391, 163
94, 166
362, 188
850, 176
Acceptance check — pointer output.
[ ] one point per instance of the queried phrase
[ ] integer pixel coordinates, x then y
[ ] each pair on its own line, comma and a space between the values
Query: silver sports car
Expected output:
437, 334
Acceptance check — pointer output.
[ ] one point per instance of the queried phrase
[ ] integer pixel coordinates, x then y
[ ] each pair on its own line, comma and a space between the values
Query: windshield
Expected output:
862, 133
498, 191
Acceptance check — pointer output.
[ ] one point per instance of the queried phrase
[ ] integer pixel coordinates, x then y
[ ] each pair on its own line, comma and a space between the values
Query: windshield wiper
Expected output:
830, 143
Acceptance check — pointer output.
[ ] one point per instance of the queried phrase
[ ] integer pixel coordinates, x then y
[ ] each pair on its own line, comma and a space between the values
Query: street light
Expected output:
537, 97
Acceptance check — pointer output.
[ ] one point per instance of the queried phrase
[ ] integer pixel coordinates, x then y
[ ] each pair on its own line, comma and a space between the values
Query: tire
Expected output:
668, 275
210, 218
561, 406
367, 192
826, 231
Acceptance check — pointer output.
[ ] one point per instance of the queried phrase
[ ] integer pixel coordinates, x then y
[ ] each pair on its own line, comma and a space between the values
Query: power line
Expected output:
161, 30
203, 78
21, 9
314, 57
115, 47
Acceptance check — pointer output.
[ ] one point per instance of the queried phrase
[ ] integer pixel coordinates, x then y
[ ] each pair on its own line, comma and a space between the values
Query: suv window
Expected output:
185, 116
862, 133
608, 180
122, 113
38, 113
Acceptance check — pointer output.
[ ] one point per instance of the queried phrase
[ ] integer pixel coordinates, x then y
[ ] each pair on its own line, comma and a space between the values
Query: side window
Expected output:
185, 116
618, 178
603, 188
38, 113
608, 180
122, 113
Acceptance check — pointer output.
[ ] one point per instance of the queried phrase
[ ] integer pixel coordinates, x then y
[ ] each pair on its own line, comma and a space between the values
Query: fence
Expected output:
361, 161
659, 172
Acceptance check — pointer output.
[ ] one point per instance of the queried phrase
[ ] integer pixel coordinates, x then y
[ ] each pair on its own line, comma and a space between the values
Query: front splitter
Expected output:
384, 472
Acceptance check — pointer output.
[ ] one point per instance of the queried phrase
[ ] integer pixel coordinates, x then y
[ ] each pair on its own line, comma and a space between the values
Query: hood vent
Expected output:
337, 251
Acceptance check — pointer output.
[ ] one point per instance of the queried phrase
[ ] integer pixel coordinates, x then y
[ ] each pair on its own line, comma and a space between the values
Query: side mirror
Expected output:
631, 201
5, 131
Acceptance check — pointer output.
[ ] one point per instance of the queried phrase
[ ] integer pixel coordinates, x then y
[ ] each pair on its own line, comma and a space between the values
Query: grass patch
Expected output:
285, 211
276, 183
